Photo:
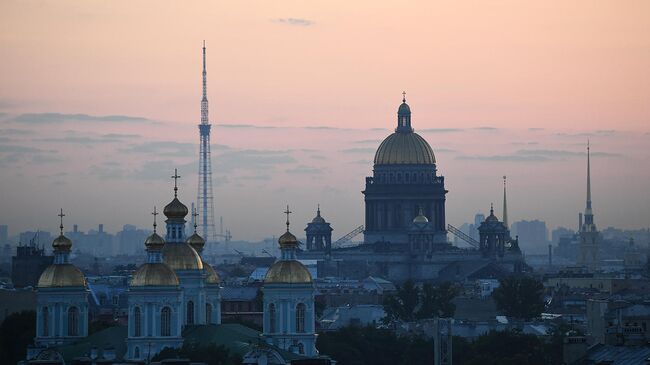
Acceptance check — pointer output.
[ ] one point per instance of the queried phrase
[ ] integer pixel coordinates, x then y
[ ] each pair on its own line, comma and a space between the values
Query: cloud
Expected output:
535, 129
246, 126
510, 158
359, 150
163, 148
486, 129
294, 21
536, 156
251, 160
57, 118
440, 130
369, 141
302, 169
12, 155
444, 150
318, 157
564, 153
16, 132
74, 140
115, 136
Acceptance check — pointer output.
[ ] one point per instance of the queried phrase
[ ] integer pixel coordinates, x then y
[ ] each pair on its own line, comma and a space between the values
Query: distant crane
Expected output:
349, 236
458, 233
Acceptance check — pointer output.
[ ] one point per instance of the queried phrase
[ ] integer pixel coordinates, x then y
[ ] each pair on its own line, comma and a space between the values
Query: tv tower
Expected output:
205, 198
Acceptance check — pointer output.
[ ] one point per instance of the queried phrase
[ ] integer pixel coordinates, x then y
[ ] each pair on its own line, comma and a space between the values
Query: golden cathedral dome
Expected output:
181, 256
288, 272
154, 242
404, 148
197, 242
154, 274
61, 275
62, 243
213, 277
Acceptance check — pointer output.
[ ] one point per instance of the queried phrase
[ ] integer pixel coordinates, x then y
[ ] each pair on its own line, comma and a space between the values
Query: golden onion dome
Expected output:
154, 242
181, 256
404, 148
212, 276
61, 275
288, 240
197, 242
175, 209
154, 274
288, 272
62, 243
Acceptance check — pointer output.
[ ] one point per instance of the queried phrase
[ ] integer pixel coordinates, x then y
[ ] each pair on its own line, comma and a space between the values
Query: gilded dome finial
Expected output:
61, 215
154, 213
287, 212
194, 215
176, 177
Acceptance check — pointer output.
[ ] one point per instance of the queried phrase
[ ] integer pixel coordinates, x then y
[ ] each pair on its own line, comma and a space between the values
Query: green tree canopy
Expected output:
519, 297
410, 302
16, 333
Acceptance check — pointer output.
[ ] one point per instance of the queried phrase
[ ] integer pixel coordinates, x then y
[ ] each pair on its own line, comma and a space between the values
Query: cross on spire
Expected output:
61, 215
154, 213
403, 96
287, 212
194, 215
176, 177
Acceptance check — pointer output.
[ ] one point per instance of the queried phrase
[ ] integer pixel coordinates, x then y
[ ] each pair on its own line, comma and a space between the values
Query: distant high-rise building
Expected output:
589, 235
532, 234
205, 199
4, 235
29, 263
560, 232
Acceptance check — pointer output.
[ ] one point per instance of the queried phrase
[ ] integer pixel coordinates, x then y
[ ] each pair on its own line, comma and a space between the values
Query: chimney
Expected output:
75, 228
101, 228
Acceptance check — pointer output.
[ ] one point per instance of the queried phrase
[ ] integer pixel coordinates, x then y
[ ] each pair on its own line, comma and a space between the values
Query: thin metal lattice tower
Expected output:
205, 198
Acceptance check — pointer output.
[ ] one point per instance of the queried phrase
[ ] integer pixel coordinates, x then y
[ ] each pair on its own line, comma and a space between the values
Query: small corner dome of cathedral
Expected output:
175, 209
154, 274
181, 256
421, 218
154, 242
288, 272
61, 275
212, 276
196, 241
62, 243
288, 239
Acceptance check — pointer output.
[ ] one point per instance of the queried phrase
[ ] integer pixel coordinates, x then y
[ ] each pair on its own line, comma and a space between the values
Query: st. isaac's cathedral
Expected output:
176, 292
405, 234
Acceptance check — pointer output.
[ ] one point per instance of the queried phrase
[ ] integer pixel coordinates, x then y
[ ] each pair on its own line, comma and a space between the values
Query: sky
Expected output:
99, 102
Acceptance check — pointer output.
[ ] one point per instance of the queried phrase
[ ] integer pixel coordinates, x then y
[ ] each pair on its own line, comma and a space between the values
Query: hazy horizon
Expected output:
99, 102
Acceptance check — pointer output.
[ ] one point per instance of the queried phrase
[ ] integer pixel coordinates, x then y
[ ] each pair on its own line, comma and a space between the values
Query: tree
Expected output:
505, 348
210, 354
410, 302
519, 297
16, 333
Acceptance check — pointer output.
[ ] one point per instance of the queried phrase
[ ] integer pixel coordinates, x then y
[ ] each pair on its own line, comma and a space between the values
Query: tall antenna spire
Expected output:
588, 178
204, 99
505, 203
205, 198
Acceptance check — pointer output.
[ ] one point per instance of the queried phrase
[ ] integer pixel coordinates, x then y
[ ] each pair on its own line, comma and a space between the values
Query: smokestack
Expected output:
550, 255
101, 228
75, 228
579, 221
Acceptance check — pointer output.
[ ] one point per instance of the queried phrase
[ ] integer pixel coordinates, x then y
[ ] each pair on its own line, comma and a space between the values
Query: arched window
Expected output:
208, 313
300, 318
301, 348
136, 352
190, 312
73, 321
166, 322
137, 326
46, 322
272, 326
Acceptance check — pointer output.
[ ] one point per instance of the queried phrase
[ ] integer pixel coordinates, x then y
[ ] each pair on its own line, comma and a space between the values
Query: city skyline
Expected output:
105, 118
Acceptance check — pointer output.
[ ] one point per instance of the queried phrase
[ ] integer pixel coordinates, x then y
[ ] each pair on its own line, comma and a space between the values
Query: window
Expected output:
73, 321
208, 313
166, 322
136, 352
272, 328
137, 326
301, 348
300, 318
190, 312
46, 324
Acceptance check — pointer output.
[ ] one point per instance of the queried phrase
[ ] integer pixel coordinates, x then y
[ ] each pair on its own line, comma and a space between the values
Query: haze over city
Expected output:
99, 102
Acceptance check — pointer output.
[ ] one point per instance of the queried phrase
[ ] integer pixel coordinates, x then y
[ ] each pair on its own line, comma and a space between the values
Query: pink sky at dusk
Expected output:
506, 87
